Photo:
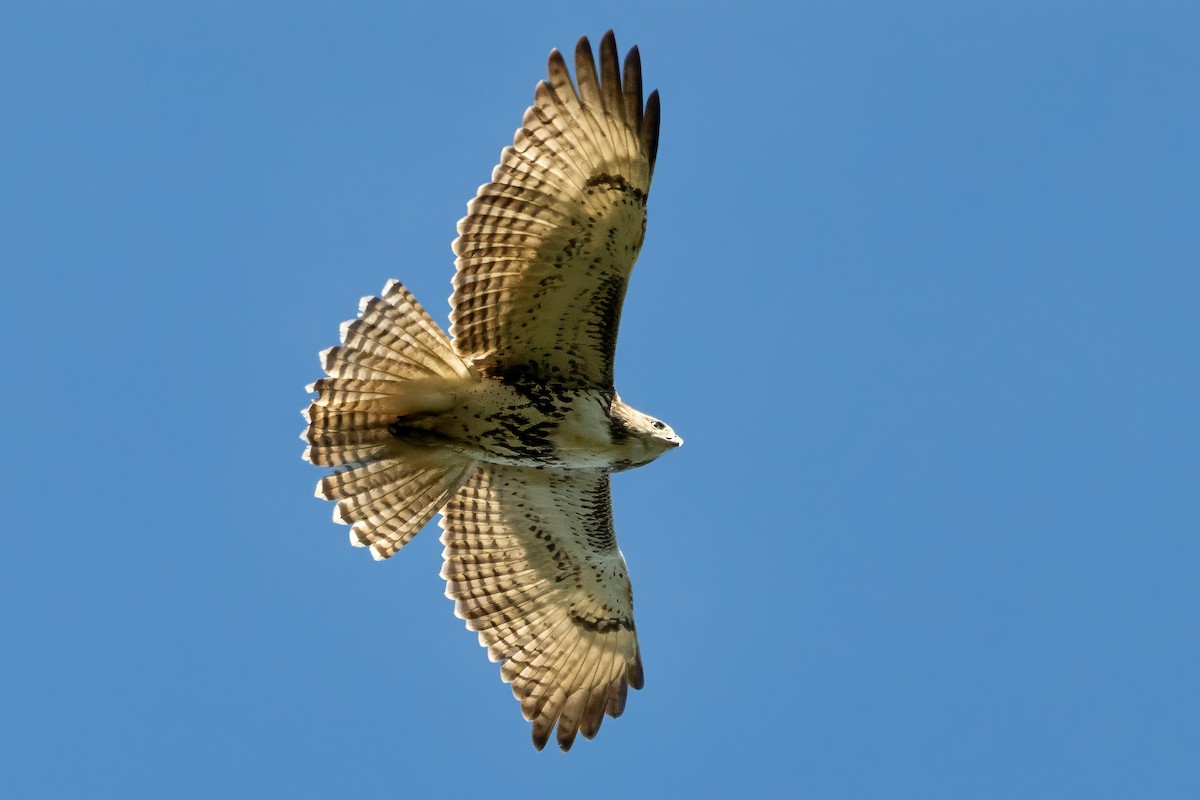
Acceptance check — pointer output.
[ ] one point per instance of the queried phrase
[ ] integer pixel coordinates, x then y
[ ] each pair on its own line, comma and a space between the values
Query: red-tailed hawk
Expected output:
511, 427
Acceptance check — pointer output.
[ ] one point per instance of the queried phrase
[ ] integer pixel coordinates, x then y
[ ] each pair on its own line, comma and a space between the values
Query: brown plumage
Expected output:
512, 427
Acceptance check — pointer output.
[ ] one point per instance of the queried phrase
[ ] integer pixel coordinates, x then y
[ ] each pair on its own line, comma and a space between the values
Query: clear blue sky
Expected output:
920, 290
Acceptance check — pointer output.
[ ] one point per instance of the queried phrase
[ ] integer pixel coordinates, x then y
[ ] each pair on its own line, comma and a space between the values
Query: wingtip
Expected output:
610, 77
556, 61
650, 121
636, 677
632, 68
585, 61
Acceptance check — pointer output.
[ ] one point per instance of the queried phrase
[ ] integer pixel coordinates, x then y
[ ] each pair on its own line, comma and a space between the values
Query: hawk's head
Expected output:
644, 437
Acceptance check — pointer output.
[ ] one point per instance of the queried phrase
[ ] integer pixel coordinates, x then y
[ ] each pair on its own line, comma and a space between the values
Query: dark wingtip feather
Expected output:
583, 53
610, 75
593, 712
637, 679
632, 88
556, 61
650, 128
586, 78
560, 76
616, 700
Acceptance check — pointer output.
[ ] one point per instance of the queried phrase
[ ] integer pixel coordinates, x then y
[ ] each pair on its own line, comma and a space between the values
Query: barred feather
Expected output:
546, 249
386, 515
532, 566
393, 362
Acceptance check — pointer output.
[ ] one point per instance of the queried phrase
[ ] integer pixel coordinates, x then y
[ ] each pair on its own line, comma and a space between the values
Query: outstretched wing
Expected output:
546, 248
533, 565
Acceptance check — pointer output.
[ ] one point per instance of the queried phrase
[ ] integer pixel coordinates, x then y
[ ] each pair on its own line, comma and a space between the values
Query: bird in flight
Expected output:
510, 426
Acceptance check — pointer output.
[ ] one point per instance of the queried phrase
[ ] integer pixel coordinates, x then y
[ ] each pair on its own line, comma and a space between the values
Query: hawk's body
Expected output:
511, 429
534, 426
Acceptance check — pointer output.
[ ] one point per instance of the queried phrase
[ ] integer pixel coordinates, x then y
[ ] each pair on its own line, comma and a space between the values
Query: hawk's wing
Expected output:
546, 248
533, 564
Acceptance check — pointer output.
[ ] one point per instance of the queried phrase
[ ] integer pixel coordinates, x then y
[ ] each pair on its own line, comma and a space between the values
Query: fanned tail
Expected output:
394, 365
388, 500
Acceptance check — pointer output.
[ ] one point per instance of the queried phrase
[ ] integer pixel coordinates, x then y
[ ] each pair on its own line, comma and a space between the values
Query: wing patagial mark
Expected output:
602, 624
619, 183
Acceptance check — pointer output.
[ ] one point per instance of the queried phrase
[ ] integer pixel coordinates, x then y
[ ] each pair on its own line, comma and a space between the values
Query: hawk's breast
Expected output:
533, 425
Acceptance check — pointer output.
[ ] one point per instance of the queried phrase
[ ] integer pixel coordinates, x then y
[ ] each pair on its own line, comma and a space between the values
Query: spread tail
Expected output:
394, 364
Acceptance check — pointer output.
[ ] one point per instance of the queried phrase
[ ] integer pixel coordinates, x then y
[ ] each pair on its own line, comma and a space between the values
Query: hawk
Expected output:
510, 426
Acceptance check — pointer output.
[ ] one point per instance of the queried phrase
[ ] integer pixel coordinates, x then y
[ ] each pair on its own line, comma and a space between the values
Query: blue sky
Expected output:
919, 290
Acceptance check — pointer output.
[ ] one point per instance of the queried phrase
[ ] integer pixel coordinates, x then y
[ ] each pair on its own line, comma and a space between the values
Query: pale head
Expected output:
642, 437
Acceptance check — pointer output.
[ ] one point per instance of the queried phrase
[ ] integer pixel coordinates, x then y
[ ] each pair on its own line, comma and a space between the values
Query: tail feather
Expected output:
370, 334
395, 327
421, 327
353, 394
321, 420
336, 455
394, 362
385, 518
317, 437
349, 480
343, 362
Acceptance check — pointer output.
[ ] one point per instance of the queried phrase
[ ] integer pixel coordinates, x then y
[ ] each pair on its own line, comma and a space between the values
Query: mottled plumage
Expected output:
512, 428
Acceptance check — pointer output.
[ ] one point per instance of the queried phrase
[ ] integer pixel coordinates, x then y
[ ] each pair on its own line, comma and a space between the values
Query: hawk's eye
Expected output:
658, 425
